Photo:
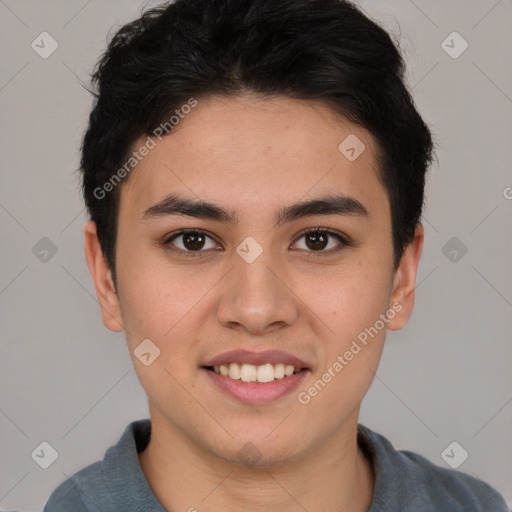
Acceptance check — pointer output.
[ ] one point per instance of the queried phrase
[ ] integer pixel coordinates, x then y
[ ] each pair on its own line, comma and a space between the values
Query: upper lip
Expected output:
256, 358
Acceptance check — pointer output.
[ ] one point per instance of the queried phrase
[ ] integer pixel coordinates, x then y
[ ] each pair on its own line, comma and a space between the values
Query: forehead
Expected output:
256, 151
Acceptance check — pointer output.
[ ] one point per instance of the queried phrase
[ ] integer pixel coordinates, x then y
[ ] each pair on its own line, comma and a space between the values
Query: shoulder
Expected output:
409, 480
75, 492
113, 484
452, 487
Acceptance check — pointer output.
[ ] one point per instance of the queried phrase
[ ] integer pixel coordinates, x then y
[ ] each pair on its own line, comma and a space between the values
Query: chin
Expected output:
260, 452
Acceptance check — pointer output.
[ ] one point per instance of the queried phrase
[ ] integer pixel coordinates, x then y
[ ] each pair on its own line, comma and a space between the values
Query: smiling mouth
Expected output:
252, 373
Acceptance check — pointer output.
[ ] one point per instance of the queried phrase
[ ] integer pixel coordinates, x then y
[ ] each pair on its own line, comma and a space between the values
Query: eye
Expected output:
189, 242
194, 242
320, 239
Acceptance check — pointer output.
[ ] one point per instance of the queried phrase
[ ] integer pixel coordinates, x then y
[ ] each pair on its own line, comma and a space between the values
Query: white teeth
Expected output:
288, 369
234, 371
251, 373
265, 373
248, 373
279, 371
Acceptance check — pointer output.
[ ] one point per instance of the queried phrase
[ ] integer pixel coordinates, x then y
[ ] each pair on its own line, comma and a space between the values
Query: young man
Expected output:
254, 172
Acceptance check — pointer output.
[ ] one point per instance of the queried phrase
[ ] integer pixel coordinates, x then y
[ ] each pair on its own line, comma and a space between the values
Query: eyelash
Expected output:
167, 241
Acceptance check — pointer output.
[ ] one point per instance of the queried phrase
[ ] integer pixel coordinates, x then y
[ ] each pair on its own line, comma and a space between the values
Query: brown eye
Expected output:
318, 240
189, 242
194, 241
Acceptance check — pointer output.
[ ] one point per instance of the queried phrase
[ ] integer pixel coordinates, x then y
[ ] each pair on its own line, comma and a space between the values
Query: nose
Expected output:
256, 297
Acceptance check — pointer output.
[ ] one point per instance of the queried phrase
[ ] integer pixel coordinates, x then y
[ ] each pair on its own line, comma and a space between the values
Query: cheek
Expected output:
145, 303
157, 306
352, 298
165, 305
153, 296
350, 353
354, 333
357, 332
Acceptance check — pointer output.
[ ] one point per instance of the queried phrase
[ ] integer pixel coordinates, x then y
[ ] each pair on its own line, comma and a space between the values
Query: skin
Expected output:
255, 155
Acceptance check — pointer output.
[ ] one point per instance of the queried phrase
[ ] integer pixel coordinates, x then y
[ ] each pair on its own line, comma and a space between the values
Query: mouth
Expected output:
256, 378
246, 372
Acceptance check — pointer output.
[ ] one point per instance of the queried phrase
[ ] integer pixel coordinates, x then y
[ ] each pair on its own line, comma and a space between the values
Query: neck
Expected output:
333, 476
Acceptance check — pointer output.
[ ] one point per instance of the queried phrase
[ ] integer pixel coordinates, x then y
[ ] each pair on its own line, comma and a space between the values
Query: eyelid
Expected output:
166, 242
342, 238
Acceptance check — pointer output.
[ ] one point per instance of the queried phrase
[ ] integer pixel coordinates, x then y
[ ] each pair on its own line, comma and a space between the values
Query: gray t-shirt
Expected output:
405, 481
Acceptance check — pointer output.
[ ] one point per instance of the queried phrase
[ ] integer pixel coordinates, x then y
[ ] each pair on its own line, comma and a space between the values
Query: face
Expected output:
250, 236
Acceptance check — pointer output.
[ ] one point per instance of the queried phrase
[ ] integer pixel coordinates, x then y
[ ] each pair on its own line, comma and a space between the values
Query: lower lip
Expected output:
257, 392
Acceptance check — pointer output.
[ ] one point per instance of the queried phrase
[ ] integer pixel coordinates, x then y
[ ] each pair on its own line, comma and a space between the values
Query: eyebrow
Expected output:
325, 205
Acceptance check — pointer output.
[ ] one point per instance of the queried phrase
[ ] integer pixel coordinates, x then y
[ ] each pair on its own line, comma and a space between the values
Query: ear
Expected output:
102, 278
404, 281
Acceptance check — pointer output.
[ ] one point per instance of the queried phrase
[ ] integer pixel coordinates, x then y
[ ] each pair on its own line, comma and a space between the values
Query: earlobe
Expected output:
404, 282
102, 278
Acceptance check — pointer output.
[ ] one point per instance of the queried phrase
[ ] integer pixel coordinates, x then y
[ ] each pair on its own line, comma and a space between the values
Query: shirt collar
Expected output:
121, 470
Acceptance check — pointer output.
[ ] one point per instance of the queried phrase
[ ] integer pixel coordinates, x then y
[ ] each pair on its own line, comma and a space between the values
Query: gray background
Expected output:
67, 380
